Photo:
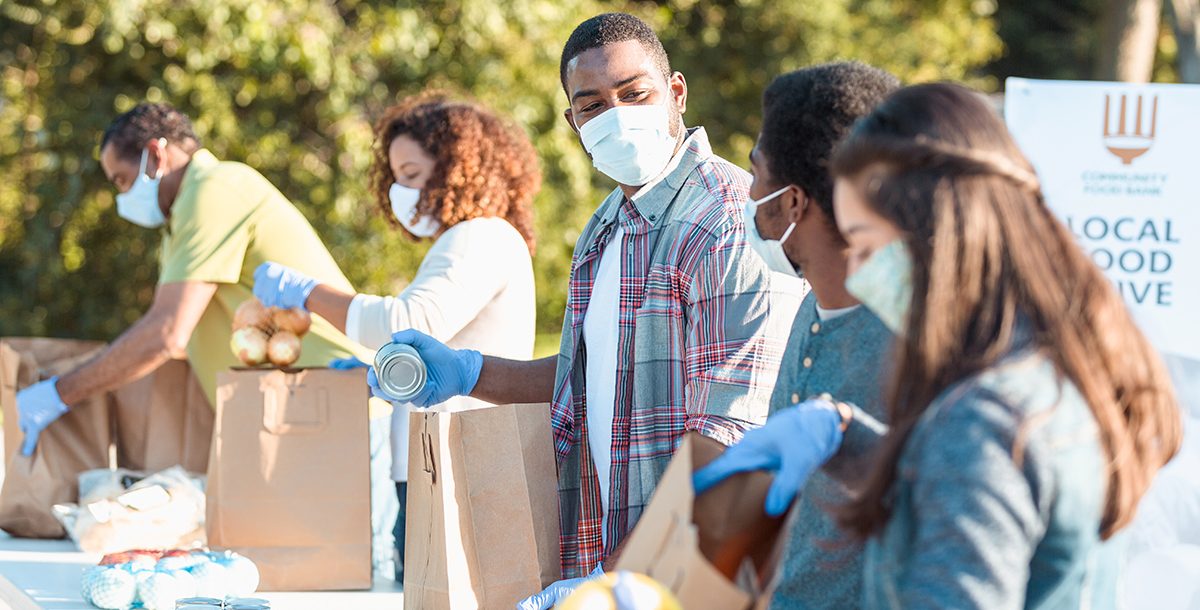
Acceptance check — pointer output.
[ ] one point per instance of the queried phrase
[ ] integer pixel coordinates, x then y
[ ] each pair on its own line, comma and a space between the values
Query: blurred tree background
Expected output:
292, 87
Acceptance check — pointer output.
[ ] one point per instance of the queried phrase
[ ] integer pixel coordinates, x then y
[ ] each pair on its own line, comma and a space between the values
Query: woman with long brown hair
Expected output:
1028, 413
457, 174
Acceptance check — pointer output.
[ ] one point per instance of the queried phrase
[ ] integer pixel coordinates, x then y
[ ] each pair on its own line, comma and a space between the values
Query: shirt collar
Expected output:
201, 161
653, 198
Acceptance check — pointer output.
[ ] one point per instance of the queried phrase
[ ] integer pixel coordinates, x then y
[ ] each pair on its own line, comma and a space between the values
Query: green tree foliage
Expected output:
292, 88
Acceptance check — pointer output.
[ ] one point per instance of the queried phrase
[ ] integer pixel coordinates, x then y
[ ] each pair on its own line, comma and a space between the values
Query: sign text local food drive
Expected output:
1120, 164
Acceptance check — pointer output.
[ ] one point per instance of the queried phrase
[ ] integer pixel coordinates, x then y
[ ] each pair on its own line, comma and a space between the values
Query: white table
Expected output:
46, 573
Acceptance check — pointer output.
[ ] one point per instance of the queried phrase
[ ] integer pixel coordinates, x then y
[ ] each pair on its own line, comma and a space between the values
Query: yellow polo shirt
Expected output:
225, 222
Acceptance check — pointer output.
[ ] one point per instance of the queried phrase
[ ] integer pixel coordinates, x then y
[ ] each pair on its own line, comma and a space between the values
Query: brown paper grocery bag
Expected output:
482, 515
667, 542
77, 441
289, 476
163, 420
156, 422
731, 521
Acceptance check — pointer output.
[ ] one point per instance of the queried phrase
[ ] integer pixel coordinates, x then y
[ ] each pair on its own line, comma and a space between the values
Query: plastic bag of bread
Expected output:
120, 510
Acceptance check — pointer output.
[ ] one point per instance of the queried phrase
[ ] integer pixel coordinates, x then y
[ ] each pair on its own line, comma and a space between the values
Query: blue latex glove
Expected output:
279, 286
347, 364
793, 444
37, 406
448, 372
373, 383
556, 592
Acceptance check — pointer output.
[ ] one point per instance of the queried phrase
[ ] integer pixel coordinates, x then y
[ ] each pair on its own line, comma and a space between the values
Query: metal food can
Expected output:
198, 602
247, 603
400, 371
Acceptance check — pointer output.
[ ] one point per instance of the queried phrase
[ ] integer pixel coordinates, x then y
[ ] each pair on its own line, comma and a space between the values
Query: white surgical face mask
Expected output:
404, 206
139, 204
630, 144
771, 250
883, 283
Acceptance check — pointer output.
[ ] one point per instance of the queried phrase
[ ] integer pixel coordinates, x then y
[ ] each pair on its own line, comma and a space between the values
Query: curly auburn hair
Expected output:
485, 166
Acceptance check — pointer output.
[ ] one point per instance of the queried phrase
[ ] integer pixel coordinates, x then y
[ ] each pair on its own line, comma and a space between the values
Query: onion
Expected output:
294, 320
284, 348
253, 313
249, 345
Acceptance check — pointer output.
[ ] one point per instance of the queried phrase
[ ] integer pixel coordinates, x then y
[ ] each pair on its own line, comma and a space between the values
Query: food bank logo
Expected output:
1125, 144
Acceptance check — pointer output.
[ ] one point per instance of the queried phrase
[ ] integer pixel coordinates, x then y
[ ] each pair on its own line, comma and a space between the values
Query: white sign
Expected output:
1120, 164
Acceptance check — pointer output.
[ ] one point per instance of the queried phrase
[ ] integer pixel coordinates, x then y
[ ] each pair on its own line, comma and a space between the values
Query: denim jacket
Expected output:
998, 497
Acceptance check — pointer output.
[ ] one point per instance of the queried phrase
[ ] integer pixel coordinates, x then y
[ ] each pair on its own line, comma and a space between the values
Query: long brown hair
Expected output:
485, 165
937, 162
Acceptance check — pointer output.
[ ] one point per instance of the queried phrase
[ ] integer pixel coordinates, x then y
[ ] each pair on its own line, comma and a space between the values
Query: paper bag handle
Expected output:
284, 415
427, 455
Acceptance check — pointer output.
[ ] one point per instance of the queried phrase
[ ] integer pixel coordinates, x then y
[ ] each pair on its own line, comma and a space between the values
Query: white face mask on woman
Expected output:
404, 206
139, 204
630, 144
771, 250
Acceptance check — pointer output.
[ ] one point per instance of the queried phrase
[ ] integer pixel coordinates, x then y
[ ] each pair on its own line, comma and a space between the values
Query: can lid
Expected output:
401, 372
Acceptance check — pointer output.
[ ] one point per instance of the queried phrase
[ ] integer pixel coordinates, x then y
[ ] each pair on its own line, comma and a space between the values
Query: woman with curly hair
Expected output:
1027, 413
458, 174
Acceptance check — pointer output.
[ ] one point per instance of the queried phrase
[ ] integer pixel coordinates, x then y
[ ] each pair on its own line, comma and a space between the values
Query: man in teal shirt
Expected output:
836, 346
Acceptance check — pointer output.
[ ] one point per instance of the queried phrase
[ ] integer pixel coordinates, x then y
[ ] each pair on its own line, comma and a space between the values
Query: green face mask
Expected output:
884, 285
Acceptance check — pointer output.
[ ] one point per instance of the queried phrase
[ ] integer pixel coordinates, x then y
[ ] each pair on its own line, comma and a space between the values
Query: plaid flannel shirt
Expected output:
698, 347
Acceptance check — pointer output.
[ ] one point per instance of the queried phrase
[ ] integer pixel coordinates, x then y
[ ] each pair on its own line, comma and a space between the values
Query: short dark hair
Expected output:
806, 113
611, 28
129, 132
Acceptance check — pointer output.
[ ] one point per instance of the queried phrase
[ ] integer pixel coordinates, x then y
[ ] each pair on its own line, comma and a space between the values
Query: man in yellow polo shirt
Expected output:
219, 220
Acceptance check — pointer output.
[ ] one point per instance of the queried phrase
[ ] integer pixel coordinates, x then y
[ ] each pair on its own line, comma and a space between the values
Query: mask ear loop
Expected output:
792, 226
770, 198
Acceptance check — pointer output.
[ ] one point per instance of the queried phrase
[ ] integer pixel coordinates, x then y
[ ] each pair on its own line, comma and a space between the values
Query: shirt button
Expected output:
807, 362
795, 398
816, 327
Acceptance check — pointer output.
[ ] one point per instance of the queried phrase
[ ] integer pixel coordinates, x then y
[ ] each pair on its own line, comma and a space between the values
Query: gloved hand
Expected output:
347, 364
793, 443
448, 372
556, 592
279, 286
37, 406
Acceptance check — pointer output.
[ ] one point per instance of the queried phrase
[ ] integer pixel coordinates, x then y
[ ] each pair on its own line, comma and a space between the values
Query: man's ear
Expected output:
157, 151
569, 116
795, 204
678, 87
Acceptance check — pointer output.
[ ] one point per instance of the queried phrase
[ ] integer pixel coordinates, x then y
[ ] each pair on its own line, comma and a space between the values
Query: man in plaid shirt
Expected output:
669, 325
